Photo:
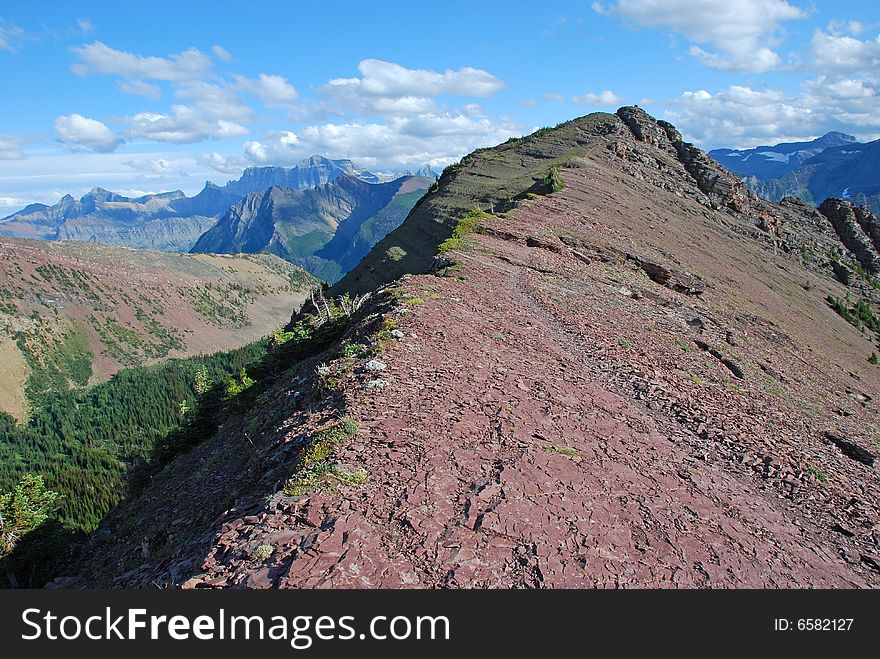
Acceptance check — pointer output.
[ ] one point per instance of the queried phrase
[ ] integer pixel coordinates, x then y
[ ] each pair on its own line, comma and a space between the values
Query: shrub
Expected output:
242, 384
553, 181
313, 472
470, 223
23, 510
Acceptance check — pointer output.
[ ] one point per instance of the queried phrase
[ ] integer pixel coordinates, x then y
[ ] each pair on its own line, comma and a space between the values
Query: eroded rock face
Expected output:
722, 187
844, 217
869, 223
645, 128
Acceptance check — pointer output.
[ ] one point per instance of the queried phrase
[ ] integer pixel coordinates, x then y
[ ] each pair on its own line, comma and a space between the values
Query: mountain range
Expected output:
327, 229
168, 221
834, 165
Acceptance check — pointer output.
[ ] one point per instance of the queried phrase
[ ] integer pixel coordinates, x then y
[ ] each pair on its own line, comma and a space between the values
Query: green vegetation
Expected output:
860, 315
354, 349
67, 364
873, 282
236, 387
553, 181
262, 552
23, 510
313, 472
563, 450
873, 358
470, 223
395, 253
86, 442
818, 474
300, 331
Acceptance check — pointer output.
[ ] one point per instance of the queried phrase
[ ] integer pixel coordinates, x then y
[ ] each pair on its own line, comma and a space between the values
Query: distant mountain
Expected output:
169, 221
310, 173
766, 162
849, 170
426, 171
326, 229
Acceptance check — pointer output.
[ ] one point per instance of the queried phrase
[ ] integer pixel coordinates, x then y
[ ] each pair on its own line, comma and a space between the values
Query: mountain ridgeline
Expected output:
834, 165
326, 229
171, 221
590, 357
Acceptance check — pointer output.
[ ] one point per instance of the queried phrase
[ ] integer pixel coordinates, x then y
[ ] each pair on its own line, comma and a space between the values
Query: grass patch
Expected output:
395, 253
313, 473
470, 223
567, 451
818, 474
262, 552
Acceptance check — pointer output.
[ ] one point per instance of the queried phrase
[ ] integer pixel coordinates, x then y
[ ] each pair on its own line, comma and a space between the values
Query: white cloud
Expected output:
77, 131
10, 148
840, 53
215, 101
224, 164
838, 28
184, 125
154, 168
845, 103
551, 97
382, 78
743, 33
387, 88
213, 111
97, 57
603, 99
273, 90
140, 88
222, 53
11, 203
85, 25
740, 117
402, 142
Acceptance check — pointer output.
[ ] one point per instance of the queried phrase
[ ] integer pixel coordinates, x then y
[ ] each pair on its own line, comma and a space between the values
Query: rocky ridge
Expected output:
633, 380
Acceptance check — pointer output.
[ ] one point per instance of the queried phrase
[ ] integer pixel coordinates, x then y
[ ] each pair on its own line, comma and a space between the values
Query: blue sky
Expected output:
146, 98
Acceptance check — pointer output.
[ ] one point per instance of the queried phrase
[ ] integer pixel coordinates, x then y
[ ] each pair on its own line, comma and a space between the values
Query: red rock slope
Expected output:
634, 381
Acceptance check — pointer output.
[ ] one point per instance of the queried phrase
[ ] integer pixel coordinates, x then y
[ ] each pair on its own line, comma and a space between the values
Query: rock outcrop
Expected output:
845, 218
722, 187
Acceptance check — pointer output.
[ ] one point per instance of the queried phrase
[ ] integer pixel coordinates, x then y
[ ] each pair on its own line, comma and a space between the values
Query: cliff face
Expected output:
310, 173
858, 231
629, 380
